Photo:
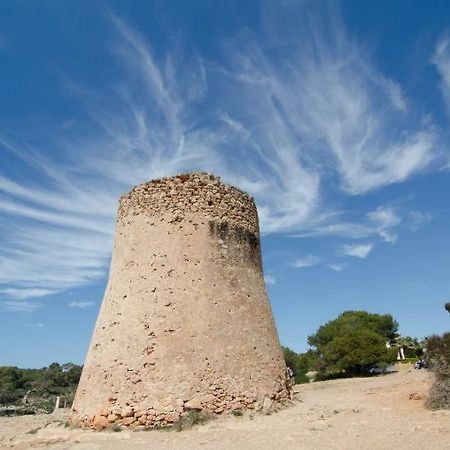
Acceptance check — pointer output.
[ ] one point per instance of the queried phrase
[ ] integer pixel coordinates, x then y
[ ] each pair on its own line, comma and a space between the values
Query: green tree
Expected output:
298, 364
354, 341
11, 384
412, 346
10, 378
73, 374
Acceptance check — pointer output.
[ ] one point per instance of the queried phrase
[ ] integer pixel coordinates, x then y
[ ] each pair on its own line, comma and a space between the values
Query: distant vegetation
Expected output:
37, 388
350, 345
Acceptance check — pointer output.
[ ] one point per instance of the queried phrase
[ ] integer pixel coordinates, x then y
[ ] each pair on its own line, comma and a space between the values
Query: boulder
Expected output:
127, 412
128, 421
99, 422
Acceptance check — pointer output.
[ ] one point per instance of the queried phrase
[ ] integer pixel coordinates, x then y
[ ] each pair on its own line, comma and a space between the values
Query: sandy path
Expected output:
365, 413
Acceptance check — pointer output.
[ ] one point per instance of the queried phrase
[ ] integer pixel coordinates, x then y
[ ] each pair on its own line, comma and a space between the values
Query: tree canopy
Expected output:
354, 341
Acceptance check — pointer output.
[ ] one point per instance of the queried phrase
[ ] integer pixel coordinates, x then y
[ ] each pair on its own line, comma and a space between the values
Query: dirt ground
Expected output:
385, 412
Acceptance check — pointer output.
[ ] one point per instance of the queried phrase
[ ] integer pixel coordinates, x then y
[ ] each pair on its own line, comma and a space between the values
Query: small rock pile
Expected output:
216, 402
128, 417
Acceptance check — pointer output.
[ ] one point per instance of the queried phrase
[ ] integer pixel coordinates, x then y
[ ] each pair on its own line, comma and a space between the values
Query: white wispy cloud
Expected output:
384, 220
307, 261
43, 259
35, 325
417, 219
80, 305
27, 293
337, 267
284, 127
356, 250
330, 93
441, 60
381, 222
270, 280
20, 306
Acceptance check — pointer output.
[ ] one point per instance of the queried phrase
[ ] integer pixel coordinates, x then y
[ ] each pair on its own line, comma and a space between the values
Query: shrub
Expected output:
9, 397
326, 376
438, 359
299, 363
301, 378
190, 418
408, 360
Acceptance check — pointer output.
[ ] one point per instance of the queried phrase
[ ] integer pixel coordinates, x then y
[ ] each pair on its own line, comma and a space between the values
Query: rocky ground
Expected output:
365, 413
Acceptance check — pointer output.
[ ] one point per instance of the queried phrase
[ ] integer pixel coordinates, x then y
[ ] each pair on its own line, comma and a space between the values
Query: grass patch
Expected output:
161, 428
408, 360
190, 418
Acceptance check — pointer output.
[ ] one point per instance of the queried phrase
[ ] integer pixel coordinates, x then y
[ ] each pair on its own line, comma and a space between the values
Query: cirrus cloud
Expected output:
357, 250
307, 261
287, 126
80, 304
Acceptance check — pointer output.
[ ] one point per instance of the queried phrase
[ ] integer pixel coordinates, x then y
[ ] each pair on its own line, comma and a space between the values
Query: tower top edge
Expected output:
200, 177
191, 193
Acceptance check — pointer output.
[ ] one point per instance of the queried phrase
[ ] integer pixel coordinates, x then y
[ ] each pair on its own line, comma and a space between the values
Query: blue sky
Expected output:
335, 116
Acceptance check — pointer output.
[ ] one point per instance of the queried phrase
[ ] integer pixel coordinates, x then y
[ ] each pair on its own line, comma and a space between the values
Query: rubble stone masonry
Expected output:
185, 322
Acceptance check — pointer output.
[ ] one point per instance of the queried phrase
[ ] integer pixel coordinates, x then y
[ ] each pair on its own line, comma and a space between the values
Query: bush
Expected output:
299, 363
408, 360
9, 398
326, 376
439, 395
190, 418
438, 360
301, 378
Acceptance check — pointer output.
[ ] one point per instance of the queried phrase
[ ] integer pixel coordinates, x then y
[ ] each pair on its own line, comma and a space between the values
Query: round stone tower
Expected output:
185, 322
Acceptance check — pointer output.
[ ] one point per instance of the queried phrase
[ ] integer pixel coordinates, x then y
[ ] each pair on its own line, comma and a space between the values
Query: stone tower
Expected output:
185, 322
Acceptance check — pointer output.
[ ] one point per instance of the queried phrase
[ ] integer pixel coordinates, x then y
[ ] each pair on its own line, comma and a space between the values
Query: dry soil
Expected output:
384, 412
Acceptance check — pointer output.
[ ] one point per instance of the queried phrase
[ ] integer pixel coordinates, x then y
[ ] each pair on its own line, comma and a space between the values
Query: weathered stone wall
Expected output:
185, 322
